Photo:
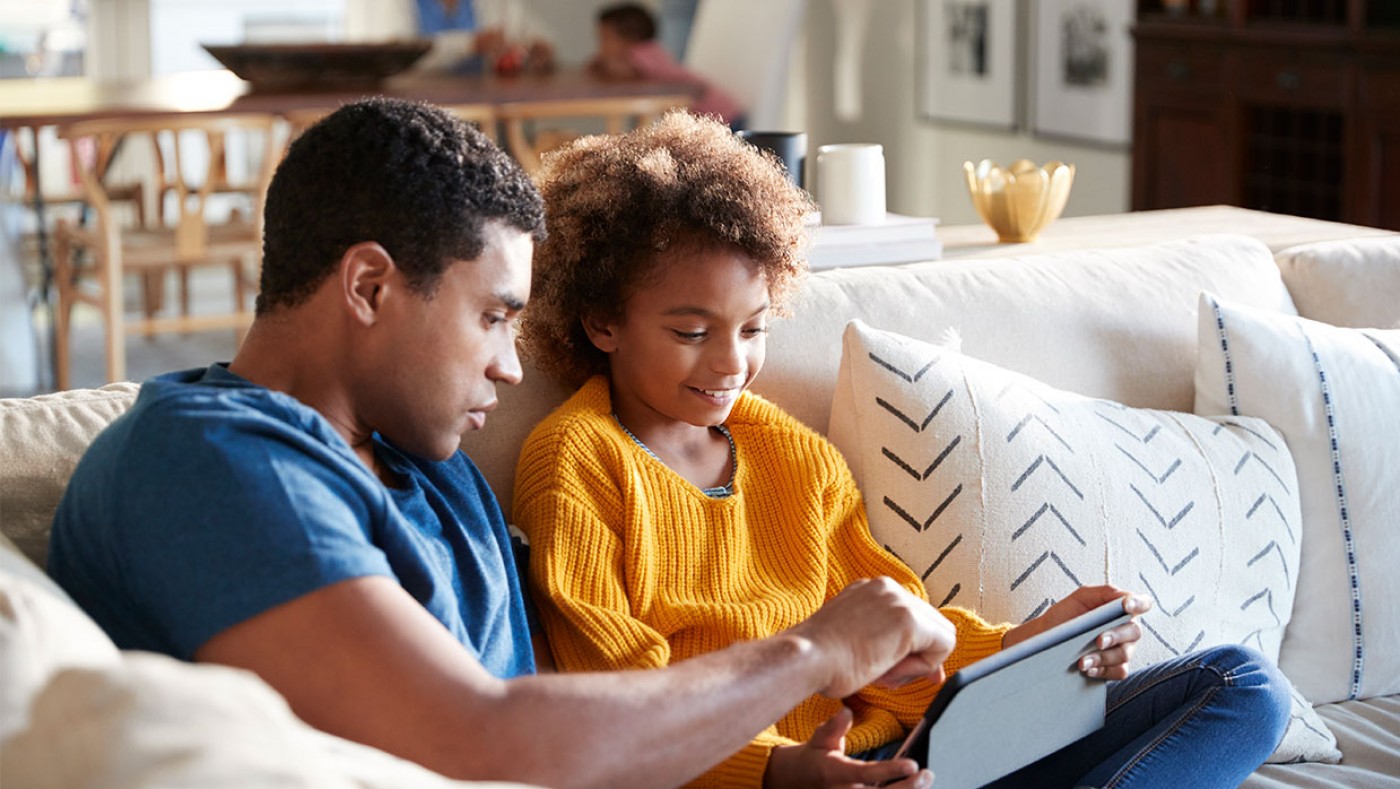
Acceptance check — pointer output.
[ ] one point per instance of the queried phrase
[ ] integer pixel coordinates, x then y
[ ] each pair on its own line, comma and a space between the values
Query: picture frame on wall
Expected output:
969, 62
1083, 73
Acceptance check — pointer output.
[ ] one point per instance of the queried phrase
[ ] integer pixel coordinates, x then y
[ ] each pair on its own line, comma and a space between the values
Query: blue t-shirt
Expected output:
214, 499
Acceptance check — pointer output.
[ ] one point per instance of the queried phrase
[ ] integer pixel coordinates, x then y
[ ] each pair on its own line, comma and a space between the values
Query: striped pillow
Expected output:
1334, 394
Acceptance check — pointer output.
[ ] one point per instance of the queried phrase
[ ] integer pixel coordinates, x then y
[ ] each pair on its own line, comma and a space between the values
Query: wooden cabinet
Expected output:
1291, 106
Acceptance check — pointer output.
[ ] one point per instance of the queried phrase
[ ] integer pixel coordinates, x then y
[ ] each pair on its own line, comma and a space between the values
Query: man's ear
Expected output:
602, 334
366, 273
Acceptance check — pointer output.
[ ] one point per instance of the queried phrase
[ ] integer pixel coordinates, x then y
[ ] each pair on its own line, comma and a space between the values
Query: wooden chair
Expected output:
27, 143
91, 261
617, 113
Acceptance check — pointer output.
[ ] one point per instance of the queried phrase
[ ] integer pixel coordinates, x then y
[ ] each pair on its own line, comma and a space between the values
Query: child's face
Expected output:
611, 44
690, 342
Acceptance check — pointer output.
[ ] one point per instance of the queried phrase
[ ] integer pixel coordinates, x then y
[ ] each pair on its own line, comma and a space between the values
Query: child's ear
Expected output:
601, 333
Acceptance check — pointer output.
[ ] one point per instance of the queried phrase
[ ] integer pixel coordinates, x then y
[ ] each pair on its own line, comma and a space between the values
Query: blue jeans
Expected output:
1204, 720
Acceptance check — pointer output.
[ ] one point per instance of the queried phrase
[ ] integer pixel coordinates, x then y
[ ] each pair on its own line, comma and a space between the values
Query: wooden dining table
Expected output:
57, 101
27, 106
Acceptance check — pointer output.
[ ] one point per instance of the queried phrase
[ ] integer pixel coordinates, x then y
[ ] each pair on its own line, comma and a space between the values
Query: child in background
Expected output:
671, 512
628, 49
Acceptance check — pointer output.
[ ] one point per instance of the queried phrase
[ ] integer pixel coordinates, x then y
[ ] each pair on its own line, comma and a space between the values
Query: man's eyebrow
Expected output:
510, 300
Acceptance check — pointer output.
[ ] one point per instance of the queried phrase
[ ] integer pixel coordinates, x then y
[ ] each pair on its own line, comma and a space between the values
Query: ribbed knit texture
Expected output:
634, 567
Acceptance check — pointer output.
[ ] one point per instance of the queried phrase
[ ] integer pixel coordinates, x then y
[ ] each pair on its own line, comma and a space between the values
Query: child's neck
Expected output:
699, 454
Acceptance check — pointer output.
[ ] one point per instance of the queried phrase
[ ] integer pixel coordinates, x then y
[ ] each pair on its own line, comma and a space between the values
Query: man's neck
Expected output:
293, 352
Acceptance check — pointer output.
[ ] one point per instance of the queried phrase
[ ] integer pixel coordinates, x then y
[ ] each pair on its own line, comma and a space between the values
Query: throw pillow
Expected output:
1005, 495
42, 632
151, 720
1351, 282
1334, 394
44, 437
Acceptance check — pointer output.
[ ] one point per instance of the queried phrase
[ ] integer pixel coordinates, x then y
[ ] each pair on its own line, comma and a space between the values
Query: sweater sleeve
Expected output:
571, 513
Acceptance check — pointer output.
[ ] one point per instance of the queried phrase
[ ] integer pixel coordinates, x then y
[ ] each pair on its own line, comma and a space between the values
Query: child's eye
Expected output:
689, 336
754, 331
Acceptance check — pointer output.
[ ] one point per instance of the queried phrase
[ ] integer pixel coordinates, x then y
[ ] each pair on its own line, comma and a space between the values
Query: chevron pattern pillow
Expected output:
1005, 495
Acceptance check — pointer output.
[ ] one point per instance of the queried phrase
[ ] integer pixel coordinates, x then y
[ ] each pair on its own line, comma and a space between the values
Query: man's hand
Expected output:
822, 761
876, 631
1115, 647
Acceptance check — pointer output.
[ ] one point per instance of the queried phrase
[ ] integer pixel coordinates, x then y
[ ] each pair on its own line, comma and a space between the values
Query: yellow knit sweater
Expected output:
634, 567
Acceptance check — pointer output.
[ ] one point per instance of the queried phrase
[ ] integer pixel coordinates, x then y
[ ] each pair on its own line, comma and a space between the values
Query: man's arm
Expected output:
363, 660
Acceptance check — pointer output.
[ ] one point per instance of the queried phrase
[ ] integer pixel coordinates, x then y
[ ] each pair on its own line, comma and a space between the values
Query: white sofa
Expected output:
1120, 324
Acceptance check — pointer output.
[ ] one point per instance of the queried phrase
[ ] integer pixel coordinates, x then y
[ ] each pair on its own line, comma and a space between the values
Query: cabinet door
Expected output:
1377, 169
1182, 154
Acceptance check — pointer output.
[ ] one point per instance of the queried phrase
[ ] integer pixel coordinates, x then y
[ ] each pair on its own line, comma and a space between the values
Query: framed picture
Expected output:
968, 61
1084, 70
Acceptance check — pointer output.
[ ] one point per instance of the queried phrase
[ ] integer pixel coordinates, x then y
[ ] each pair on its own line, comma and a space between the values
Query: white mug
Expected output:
851, 181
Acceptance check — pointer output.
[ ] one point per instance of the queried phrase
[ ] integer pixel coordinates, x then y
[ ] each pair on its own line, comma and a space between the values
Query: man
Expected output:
304, 512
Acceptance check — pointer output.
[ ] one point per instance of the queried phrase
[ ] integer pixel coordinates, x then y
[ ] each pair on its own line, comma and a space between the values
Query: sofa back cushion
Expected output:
44, 437
1354, 282
1118, 324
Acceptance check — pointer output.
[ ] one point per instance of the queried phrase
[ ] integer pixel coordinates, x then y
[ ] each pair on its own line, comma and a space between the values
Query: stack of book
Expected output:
898, 239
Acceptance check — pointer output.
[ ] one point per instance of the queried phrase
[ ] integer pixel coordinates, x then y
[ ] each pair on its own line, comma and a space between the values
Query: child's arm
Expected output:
612, 67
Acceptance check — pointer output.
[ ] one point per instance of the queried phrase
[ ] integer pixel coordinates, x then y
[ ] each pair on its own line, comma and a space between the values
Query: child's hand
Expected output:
821, 761
1114, 648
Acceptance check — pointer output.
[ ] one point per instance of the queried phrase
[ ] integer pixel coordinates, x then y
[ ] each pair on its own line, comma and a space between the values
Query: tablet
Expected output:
1009, 709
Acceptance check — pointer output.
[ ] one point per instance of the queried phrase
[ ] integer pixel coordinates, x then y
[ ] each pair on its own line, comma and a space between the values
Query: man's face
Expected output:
440, 357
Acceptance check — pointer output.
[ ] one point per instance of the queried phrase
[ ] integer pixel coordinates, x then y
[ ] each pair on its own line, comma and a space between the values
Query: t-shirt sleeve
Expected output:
220, 520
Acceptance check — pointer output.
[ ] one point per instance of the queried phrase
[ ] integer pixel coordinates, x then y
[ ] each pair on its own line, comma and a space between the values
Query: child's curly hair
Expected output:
615, 205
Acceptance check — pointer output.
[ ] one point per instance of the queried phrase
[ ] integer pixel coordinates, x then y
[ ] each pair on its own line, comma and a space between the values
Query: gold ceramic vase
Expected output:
1018, 202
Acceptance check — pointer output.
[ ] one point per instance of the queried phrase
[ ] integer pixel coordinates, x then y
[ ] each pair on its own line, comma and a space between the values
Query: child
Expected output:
671, 512
628, 49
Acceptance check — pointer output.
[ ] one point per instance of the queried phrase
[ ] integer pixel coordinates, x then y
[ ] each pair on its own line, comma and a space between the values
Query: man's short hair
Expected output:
631, 21
412, 177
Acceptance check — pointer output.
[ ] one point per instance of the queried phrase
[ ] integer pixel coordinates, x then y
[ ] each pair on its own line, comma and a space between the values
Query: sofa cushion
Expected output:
45, 436
1005, 494
41, 633
1368, 733
1334, 393
1355, 282
1118, 324
154, 721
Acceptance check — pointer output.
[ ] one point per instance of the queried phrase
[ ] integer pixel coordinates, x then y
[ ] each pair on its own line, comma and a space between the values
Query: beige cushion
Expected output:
1005, 495
1353, 283
44, 437
41, 633
154, 721
1118, 324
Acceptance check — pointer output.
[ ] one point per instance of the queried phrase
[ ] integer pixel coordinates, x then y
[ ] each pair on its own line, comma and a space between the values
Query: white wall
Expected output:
924, 158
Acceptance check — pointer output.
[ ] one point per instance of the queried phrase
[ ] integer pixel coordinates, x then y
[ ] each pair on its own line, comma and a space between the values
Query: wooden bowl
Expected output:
282, 67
